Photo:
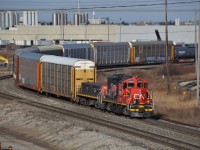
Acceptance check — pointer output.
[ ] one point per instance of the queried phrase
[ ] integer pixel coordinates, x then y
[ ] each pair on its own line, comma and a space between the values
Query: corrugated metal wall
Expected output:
28, 72
112, 54
151, 53
56, 78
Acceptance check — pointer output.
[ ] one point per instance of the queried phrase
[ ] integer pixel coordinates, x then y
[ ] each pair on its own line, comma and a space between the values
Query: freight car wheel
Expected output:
108, 107
119, 110
46, 94
78, 100
83, 101
125, 111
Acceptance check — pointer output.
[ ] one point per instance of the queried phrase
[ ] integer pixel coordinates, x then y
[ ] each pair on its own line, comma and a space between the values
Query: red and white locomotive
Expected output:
123, 95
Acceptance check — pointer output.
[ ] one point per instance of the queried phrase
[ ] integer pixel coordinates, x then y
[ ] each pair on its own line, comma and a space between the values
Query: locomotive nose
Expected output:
139, 96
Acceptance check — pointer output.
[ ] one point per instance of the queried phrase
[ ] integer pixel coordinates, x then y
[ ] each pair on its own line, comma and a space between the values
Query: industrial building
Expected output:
59, 18
80, 19
8, 19
31, 35
30, 18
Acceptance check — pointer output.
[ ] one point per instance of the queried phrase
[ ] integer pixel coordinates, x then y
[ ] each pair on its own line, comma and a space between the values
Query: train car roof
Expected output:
67, 61
50, 48
149, 42
31, 55
185, 48
28, 49
77, 45
110, 43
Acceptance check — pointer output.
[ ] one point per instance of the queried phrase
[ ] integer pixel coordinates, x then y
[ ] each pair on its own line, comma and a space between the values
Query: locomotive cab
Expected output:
132, 92
137, 97
123, 95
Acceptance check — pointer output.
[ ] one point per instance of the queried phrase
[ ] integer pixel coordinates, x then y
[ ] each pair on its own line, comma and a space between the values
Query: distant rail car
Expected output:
56, 50
103, 54
113, 54
121, 53
184, 54
151, 52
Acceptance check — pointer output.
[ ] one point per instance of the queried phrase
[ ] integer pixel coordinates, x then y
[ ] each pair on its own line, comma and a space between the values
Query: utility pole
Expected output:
120, 27
197, 100
108, 30
195, 38
85, 33
78, 6
166, 47
62, 21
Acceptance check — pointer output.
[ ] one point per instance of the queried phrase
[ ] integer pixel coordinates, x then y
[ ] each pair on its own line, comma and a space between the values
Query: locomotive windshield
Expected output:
139, 85
125, 85
131, 85
145, 85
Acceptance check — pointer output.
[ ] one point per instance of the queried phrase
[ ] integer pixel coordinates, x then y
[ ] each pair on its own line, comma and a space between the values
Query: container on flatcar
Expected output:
63, 76
29, 70
151, 52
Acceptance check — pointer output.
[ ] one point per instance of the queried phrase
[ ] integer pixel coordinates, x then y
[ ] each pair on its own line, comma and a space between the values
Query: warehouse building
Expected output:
30, 35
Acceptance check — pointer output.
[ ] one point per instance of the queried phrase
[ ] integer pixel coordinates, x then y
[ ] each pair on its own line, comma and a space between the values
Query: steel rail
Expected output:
173, 127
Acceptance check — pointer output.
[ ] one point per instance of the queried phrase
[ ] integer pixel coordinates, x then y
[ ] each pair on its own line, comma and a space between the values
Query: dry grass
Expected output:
179, 105
175, 107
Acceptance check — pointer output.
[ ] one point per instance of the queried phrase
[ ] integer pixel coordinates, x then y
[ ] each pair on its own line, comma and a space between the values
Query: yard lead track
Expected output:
130, 130
173, 126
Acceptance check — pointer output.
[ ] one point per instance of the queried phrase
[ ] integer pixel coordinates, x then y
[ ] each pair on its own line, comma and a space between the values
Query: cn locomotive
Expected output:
75, 79
123, 94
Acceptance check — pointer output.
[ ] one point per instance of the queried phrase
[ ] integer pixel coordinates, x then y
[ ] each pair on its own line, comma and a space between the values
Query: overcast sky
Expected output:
127, 10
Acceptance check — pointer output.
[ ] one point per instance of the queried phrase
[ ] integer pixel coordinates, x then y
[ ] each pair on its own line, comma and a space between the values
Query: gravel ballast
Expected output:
63, 132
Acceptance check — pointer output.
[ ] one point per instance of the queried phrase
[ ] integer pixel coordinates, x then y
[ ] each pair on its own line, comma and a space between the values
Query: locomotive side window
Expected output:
125, 85
139, 85
145, 85
131, 85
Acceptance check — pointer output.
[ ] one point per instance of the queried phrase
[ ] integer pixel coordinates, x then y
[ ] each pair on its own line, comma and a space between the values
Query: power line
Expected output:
96, 7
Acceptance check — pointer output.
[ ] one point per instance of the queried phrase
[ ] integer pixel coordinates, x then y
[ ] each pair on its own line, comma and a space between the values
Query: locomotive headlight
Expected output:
134, 102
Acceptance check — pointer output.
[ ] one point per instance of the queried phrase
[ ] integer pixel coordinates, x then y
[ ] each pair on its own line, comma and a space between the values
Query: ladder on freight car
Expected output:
99, 98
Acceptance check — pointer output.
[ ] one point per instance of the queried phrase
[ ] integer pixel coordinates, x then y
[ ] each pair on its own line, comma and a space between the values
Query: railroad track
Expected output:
6, 77
128, 129
146, 67
119, 68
